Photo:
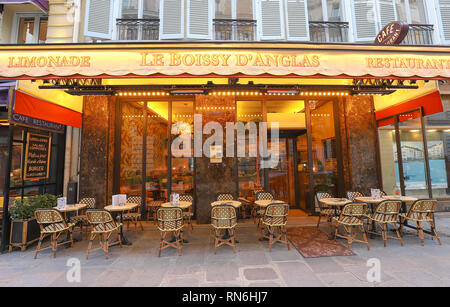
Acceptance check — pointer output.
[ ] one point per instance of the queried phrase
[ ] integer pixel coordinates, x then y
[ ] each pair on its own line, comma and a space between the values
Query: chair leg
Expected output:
233, 240
160, 245
433, 227
91, 239
384, 232
350, 238
365, 237
41, 237
420, 230
318, 222
398, 234
285, 237
179, 236
105, 242
54, 242
140, 223
270, 238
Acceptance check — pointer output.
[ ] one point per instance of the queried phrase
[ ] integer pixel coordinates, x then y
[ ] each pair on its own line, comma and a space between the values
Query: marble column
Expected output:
212, 178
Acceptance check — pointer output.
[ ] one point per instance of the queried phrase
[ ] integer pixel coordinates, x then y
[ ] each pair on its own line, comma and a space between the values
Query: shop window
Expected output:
182, 160
389, 160
438, 143
251, 176
31, 29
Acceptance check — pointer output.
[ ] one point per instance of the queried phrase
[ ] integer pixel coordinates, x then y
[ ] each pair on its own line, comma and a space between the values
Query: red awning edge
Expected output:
31, 106
431, 104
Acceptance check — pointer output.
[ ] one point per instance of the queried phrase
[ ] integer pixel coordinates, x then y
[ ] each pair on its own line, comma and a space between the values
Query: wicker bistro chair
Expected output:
188, 214
170, 221
224, 196
52, 224
133, 216
387, 212
325, 211
351, 217
224, 221
351, 195
104, 226
152, 208
275, 219
262, 195
422, 211
81, 219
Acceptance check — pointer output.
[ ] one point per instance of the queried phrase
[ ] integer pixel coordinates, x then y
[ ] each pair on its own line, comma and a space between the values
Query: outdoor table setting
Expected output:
68, 209
121, 209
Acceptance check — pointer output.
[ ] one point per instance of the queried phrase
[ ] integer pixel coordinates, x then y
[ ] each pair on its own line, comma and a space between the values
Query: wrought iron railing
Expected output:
234, 29
137, 29
419, 34
328, 31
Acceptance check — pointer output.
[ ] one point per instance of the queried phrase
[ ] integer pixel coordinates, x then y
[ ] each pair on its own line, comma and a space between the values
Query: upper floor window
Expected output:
325, 10
412, 11
30, 29
234, 9
140, 9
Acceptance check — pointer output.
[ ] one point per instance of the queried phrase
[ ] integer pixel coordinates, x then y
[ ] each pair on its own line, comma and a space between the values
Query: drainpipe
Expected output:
76, 20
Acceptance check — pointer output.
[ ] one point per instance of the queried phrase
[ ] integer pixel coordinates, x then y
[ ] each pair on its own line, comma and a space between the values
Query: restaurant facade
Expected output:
350, 116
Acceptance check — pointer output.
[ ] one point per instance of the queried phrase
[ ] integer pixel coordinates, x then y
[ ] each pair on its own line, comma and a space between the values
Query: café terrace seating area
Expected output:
341, 222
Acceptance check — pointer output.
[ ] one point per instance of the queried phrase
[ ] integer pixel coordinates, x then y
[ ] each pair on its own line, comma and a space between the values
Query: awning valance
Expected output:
116, 60
31, 106
430, 103
42, 4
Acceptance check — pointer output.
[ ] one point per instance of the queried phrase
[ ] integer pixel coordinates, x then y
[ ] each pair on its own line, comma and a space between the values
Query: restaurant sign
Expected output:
392, 34
37, 156
357, 61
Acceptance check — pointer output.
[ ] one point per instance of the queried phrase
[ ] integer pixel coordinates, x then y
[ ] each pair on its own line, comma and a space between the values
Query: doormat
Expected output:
313, 243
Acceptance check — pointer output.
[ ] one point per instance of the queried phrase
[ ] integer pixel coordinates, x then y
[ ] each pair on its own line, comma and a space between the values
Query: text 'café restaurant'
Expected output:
350, 117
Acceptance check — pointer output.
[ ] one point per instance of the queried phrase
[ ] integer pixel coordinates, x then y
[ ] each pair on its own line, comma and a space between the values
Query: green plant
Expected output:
24, 208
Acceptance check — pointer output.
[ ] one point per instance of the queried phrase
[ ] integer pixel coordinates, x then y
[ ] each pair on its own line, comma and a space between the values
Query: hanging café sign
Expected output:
117, 62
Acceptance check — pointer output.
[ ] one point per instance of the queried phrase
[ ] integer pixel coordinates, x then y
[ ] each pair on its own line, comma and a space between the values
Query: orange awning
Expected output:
41, 109
431, 104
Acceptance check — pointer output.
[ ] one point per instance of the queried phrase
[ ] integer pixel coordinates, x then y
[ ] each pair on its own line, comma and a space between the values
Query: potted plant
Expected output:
24, 227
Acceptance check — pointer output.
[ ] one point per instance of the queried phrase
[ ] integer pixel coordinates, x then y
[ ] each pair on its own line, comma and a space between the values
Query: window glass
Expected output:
315, 11
418, 11
334, 10
43, 22
130, 9
244, 9
223, 9
26, 30
151, 9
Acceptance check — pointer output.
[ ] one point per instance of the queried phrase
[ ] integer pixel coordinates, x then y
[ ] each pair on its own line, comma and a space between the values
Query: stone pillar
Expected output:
359, 143
97, 149
214, 177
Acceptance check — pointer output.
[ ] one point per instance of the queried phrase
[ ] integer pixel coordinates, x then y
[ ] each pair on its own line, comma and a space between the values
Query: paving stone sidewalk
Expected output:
252, 265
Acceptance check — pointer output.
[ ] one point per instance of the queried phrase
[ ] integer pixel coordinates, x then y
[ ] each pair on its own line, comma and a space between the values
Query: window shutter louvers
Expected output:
364, 21
297, 20
171, 19
199, 19
270, 19
444, 12
387, 11
99, 18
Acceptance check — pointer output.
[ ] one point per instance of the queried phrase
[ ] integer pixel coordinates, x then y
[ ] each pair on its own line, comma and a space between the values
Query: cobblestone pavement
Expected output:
252, 265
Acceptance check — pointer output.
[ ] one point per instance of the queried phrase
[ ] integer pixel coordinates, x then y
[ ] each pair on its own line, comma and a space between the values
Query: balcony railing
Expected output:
328, 31
137, 29
419, 34
234, 30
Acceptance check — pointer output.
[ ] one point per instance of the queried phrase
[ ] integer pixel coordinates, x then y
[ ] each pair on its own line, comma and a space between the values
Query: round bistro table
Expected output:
121, 209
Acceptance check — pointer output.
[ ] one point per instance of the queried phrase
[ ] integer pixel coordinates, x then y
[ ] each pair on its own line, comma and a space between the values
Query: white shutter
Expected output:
297, 20
99, 18
171, 19
364, 20
199, 16
270, 19
387, 12
444, 14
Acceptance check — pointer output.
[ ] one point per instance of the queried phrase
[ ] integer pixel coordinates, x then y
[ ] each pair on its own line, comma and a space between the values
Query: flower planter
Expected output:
23, 233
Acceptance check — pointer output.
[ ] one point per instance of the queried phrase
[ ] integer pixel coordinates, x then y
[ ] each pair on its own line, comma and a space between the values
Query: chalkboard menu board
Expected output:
37, 156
